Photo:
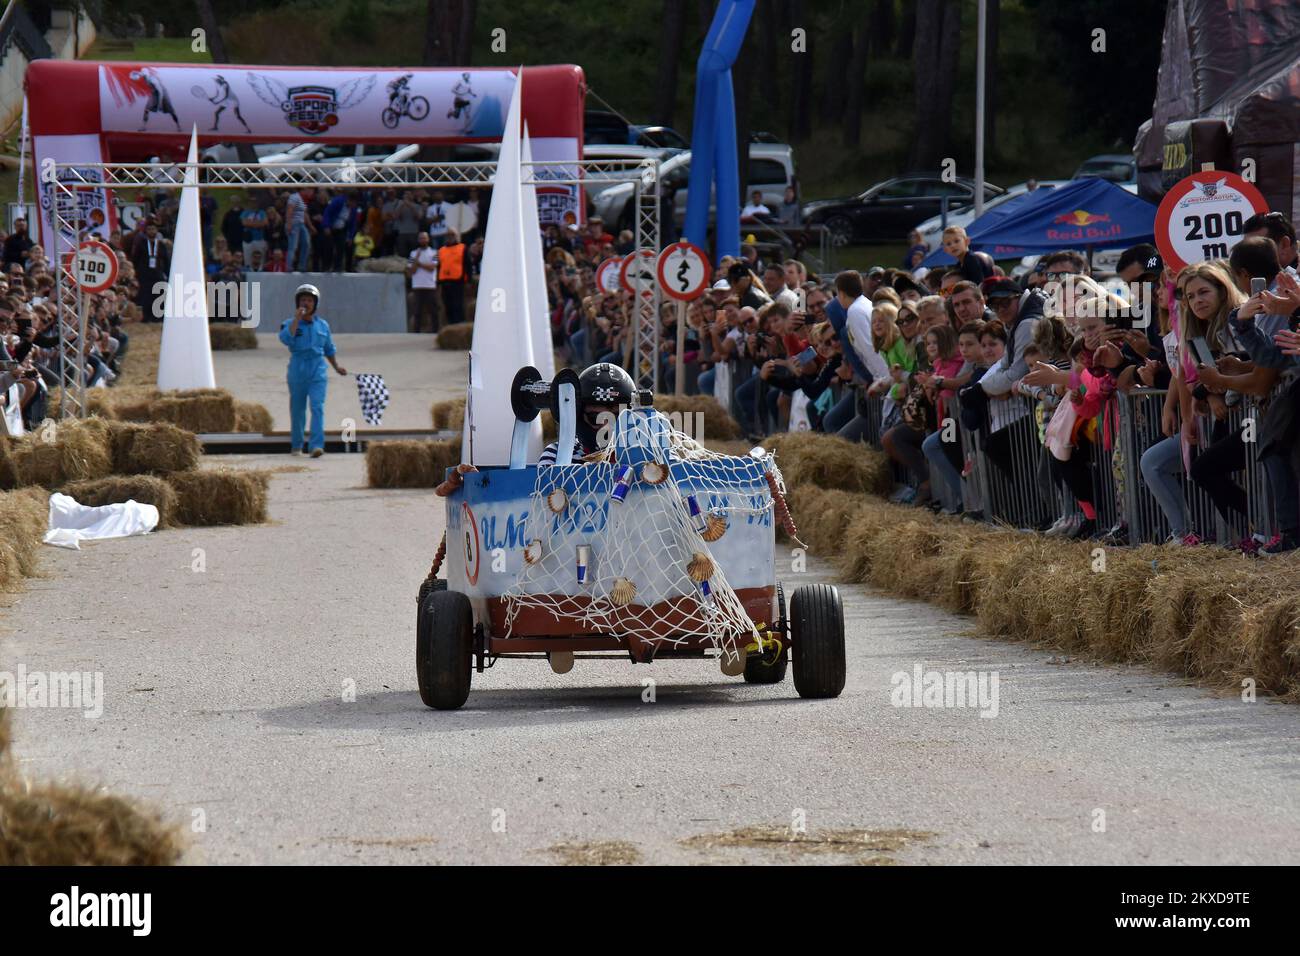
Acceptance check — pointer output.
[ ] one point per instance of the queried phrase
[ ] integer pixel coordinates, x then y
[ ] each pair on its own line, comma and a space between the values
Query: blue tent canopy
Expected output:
1082, 213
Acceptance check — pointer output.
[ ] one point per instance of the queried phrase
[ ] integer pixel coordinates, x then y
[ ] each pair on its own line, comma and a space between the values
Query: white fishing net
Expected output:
647, 518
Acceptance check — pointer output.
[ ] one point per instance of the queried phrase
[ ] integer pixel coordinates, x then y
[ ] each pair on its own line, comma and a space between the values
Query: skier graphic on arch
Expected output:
159, 101
462, 93
223, 96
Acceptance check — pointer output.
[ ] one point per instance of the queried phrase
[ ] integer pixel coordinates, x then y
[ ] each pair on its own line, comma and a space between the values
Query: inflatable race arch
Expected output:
86, 112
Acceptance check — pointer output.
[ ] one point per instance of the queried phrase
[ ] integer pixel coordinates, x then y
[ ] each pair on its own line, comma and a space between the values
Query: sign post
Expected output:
683, 273
1203, 216
94, 268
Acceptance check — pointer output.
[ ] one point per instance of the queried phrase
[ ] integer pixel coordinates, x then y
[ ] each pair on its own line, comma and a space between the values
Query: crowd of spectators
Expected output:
912, 359
31, 361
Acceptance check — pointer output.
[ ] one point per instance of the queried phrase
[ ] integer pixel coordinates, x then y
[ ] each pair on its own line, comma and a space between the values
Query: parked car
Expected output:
771, 170
932, 229
888, 210
335, 154
1119, 168
602, 128
229, 152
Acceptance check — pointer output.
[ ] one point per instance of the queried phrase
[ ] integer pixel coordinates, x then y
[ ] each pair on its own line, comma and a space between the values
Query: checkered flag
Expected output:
374, 397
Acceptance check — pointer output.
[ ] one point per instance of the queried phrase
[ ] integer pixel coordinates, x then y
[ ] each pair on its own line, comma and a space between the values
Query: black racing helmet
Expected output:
601, 387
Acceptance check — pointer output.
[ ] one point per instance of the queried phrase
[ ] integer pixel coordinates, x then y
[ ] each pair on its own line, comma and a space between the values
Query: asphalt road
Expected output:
224, 704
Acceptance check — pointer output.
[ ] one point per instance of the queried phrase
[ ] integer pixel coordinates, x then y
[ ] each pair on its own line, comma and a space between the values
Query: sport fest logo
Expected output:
312, 109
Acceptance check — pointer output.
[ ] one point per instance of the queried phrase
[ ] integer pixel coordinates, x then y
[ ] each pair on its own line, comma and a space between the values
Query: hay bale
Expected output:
459, 335
448, 413
197, 410
156, 448
132, 404
252, 417
1272, 638
390, 264
700, 416
24, 515
410, 464
99, 401
8, 470
56, 825
230, 338
55, 454
829, 461
219, 496
116, 489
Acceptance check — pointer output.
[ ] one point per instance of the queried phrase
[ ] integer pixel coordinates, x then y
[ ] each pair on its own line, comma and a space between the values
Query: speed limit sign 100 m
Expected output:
1204, 216
95, 266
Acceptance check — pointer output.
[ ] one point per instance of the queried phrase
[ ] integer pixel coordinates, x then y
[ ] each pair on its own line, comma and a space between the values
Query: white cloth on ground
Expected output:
72, 523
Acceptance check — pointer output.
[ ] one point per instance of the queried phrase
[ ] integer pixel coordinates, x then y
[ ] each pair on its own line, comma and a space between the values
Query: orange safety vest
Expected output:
451, 263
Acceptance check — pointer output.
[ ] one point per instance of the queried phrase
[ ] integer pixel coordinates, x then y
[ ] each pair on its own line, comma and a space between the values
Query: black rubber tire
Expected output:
758, 672
841, 230
427, 585
444, 636
817, 640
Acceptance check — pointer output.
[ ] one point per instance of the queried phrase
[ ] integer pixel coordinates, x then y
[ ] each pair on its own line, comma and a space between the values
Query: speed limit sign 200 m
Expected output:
1204, 216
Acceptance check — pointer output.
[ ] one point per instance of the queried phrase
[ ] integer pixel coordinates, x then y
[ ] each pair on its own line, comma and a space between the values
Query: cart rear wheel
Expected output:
444, 636
428, 585
817, 640
766, 670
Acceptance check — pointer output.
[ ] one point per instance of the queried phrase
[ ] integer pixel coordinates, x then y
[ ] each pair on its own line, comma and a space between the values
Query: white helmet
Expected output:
310, 290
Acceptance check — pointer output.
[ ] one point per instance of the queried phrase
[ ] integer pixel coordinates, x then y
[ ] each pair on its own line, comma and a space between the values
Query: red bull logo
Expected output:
1080, 217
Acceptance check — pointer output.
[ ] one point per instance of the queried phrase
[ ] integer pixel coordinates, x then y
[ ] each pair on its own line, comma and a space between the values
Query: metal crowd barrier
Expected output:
1025, 496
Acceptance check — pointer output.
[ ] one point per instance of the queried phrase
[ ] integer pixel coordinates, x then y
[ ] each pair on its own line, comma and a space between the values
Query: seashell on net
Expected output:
715, 526
557, 500
700, 567
654, 473
533, 551
623, 591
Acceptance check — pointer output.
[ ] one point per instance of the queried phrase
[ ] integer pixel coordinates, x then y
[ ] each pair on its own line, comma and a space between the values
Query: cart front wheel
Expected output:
817, 640
444, 636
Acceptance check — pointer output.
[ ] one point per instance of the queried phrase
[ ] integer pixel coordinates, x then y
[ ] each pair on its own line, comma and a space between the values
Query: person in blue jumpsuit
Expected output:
310, 346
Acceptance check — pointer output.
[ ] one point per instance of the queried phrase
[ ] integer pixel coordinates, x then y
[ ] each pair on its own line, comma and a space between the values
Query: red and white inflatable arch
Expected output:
84, 112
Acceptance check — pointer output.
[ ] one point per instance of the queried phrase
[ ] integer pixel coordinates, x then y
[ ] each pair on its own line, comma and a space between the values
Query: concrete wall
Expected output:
355, 302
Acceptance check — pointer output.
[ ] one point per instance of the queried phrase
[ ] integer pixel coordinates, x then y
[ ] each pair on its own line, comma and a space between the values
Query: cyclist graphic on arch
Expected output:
159, 101
462, 93
221, 98
402, 103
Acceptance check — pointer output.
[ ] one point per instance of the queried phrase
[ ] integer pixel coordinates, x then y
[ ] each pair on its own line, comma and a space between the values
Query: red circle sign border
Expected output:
615, 263
644, 254
112, 257
1180, 189
664, 284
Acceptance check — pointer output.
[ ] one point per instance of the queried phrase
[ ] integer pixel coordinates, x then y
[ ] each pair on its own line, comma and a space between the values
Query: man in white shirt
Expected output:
848, 290
756, 209
774, 284
423, 270
857, 335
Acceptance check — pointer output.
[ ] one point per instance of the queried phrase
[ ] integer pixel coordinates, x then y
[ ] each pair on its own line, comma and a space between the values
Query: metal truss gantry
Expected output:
70, 179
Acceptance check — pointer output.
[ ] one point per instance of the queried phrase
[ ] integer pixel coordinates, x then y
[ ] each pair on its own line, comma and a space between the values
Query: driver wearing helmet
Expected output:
602, 388
310, 345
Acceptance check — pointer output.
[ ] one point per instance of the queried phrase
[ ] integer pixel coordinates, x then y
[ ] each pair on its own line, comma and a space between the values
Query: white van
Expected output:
771, 170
